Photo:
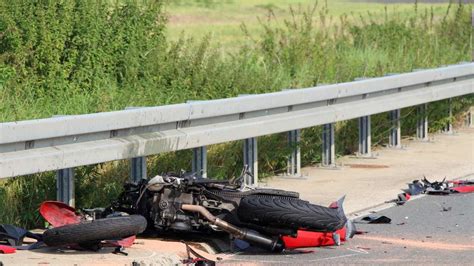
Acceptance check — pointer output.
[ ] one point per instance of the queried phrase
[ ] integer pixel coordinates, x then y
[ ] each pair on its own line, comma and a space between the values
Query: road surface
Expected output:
429, 230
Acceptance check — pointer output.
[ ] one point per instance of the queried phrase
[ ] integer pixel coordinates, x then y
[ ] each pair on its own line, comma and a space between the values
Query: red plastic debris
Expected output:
463, 189
126, 242
408, 196
7, 249
307, 239
58, 213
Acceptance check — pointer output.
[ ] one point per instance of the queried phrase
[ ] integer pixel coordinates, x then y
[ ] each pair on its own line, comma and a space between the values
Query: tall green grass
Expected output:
72, 57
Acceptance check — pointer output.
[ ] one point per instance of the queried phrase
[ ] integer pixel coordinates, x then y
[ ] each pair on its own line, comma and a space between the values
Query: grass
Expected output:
223, 20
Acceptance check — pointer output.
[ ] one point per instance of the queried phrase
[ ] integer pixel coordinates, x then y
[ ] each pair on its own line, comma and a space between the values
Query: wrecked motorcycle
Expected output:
186, 203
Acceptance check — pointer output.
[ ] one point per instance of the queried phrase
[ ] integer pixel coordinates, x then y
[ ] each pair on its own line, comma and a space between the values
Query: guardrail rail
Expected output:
33, 146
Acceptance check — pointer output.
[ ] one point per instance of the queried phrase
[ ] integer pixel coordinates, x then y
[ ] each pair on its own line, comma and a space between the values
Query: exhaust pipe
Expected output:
240, 233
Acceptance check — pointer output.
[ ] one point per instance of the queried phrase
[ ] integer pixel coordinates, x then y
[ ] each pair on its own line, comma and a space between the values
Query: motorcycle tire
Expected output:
289, 212
95, 231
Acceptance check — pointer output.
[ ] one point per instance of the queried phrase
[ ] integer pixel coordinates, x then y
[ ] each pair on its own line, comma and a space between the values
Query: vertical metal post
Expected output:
65, 186
251, 160
200, 161
365, 141
329, 148
137, 164
394, 140
448, 128
422, 123
65, 183
137, 169
294, 161
469, 117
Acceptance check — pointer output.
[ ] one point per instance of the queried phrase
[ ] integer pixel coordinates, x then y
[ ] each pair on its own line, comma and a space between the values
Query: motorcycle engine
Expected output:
165, 210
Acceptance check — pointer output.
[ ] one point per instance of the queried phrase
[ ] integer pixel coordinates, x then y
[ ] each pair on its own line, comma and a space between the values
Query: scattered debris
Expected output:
416, 187
198, 260
120, 250
13, 236
446, 209
7, 249
440, 187
447, 187
375, 219
401, 199
462, 189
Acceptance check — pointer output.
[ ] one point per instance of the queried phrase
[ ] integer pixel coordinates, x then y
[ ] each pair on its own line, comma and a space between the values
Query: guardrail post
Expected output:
65, 183
65, 186
448, 128
200, 161
137, 169
329, 148
137, 164
394, 140
250, 160
294, 161
422, 123
469, 117
365, 141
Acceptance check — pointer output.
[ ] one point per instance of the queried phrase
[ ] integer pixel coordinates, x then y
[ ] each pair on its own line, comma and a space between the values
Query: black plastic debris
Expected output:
446, 209
401, 199
120, 251
416, 187
436, 187
14, 236
375, 219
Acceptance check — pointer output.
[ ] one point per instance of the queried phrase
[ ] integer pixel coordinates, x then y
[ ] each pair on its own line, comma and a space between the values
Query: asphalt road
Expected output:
428, 230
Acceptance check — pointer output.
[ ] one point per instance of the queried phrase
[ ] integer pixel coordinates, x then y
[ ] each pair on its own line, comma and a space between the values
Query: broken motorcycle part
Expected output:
240, 233
186, 203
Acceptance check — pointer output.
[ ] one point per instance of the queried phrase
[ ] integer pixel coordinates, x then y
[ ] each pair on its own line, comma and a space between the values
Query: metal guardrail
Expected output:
34, 146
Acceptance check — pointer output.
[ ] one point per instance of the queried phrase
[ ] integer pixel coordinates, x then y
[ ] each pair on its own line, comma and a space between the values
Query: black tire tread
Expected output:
289, 212
94, 231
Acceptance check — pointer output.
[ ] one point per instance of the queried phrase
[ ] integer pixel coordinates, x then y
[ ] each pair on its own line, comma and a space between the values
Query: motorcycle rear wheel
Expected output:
289, 212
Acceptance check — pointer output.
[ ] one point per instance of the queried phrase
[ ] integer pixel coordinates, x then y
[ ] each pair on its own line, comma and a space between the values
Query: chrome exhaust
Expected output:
240, 233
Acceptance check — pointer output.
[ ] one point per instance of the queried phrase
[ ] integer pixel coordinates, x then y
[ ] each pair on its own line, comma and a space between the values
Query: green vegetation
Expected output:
71, 57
